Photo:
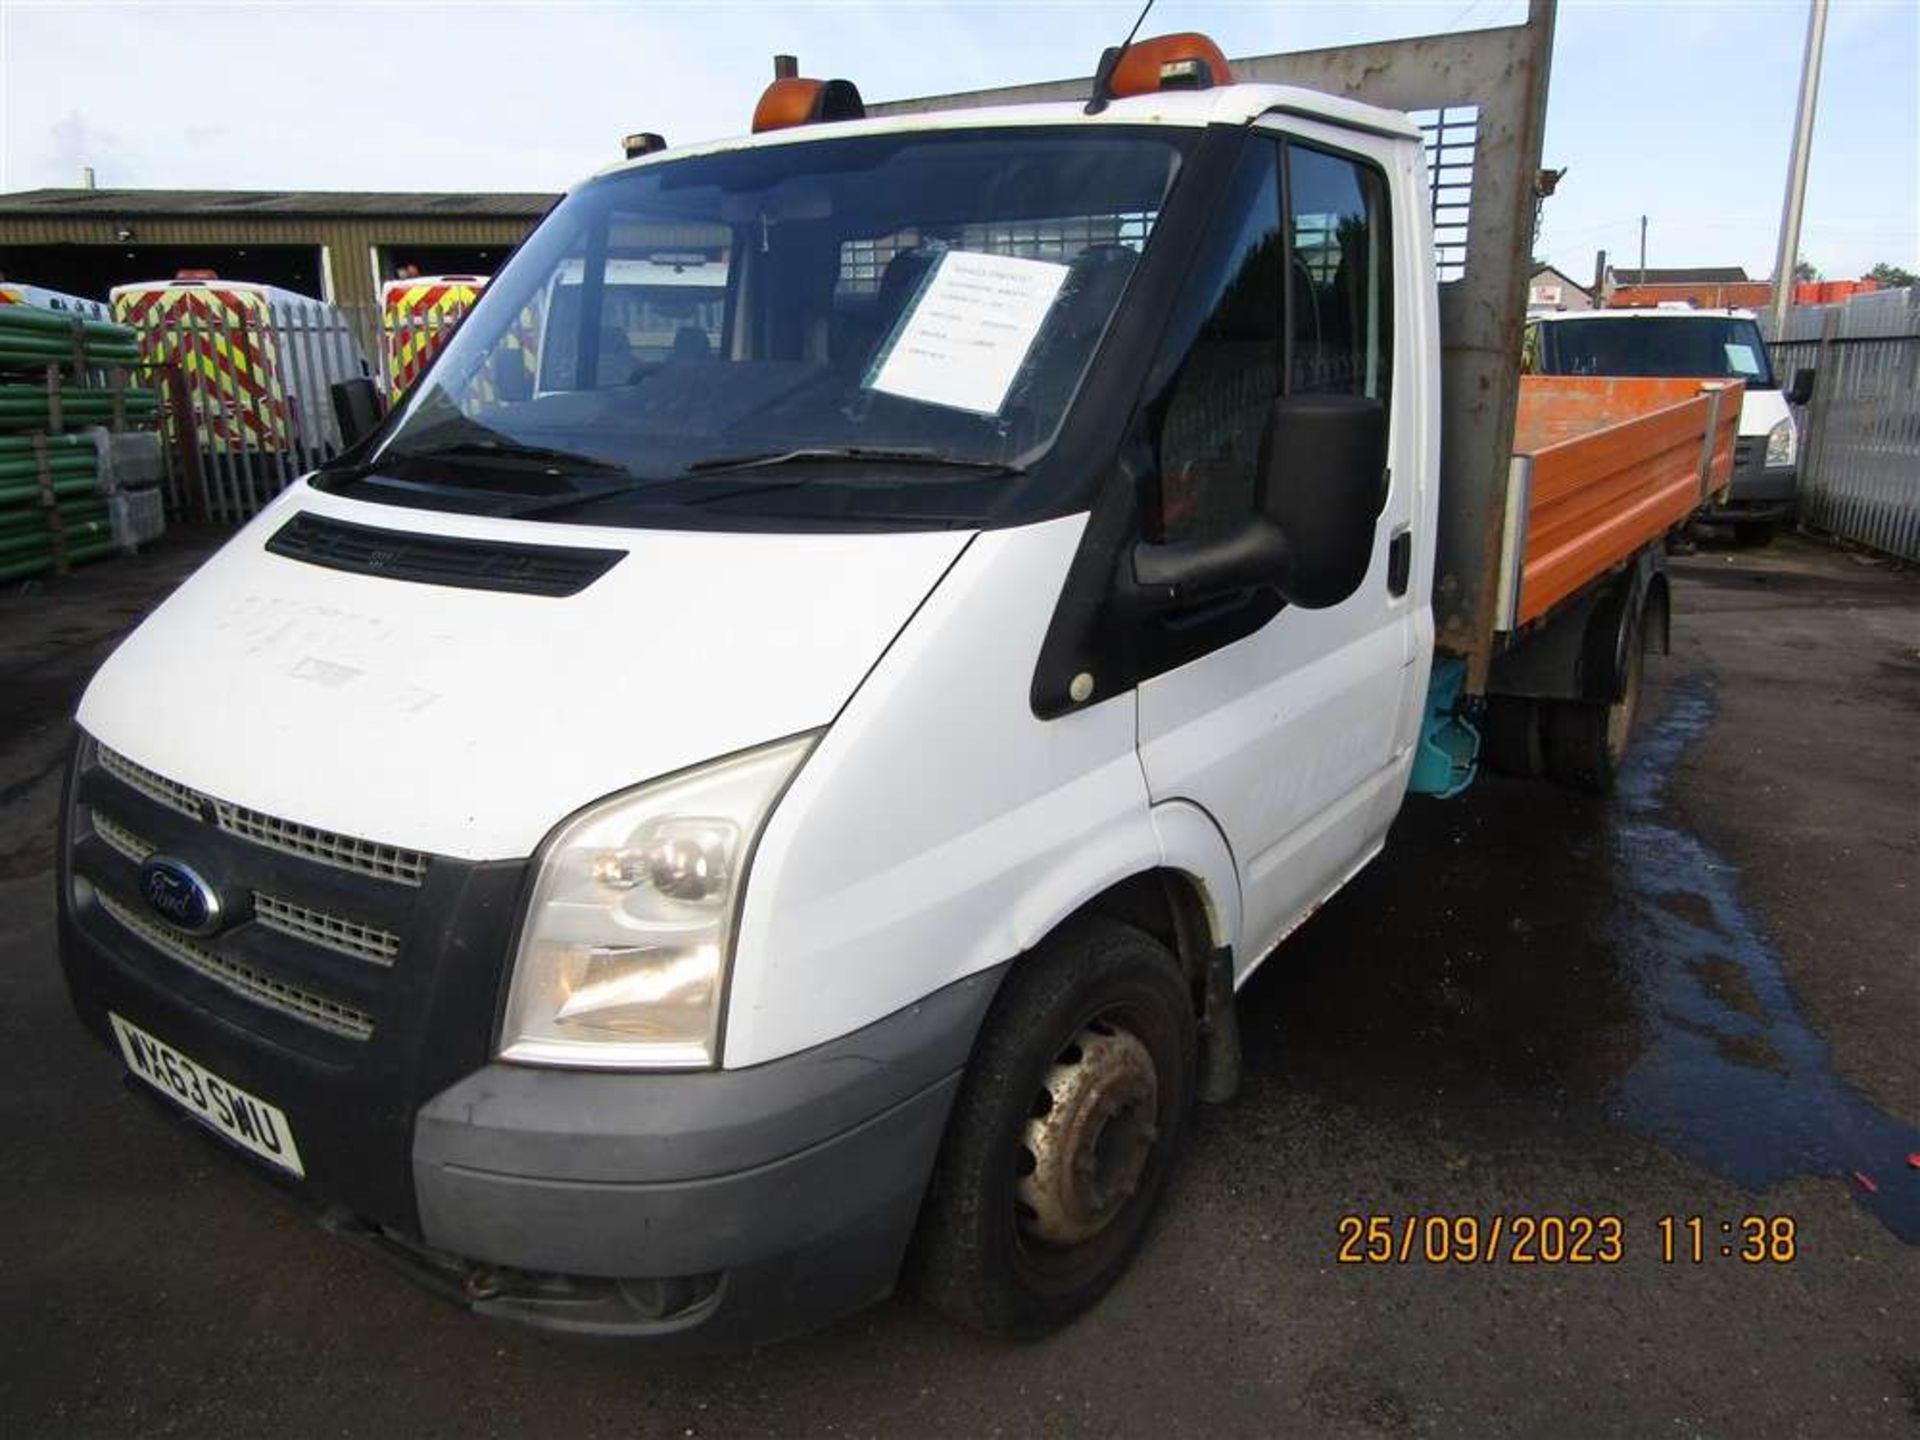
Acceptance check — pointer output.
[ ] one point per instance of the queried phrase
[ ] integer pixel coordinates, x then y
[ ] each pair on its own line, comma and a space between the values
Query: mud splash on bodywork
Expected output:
1732, 1076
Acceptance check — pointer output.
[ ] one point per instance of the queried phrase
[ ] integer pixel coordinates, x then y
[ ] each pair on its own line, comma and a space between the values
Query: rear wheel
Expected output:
1063, 1134
1585, 740
1512, 739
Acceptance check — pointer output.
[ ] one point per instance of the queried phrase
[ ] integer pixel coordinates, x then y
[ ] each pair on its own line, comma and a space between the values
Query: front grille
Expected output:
1747, 453
134, 812
347, 852
551, 570
316, 927
170, 793
387, 862
121, 838
346, 998
348, 937
241, 979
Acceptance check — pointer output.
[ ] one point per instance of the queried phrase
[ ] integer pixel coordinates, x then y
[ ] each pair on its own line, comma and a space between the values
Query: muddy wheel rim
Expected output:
1085, 1147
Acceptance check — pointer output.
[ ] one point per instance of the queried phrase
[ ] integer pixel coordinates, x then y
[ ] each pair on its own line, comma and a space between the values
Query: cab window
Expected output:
1294, 296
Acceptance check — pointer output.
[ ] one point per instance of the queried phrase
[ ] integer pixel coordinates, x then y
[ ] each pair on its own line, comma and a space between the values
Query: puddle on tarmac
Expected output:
1731, 1076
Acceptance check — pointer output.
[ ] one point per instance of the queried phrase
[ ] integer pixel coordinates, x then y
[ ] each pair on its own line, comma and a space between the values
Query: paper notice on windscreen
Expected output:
969, 330
1743, 360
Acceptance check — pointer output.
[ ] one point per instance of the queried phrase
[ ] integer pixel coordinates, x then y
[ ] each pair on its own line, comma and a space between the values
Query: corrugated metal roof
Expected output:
1702, 275
305, 203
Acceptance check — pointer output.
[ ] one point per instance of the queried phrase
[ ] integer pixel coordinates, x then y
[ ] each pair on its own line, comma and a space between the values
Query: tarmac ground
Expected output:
1697, 999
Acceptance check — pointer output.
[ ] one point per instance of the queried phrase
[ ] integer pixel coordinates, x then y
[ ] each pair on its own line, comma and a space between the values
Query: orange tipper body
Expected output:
220, 334
417, 316
1611, 464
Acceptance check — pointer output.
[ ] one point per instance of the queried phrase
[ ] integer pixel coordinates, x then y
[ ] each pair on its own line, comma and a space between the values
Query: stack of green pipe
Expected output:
32, 336
50, 506
28, 407
27, 523
22, 566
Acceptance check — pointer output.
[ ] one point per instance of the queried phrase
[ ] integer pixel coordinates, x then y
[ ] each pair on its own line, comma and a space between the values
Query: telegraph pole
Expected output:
1643, 249
1789, 253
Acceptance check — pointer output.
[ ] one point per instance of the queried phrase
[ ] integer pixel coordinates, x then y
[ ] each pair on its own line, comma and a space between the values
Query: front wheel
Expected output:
1063, 1134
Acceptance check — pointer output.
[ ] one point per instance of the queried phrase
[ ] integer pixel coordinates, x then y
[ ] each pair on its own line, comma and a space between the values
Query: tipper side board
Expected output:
1603, 467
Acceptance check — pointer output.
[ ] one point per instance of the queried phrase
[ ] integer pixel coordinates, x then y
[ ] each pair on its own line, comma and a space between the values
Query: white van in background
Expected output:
18, 292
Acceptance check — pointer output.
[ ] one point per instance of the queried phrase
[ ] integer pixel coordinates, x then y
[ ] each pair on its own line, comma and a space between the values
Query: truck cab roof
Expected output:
1222, 105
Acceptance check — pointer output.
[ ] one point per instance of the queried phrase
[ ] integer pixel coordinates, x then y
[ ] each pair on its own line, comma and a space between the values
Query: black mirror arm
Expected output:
358, 412
1165, 576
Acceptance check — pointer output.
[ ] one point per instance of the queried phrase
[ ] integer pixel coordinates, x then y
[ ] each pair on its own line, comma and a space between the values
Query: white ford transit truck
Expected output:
673, 838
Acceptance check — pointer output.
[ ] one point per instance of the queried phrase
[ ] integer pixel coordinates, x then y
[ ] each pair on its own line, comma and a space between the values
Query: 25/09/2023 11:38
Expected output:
1558, 1239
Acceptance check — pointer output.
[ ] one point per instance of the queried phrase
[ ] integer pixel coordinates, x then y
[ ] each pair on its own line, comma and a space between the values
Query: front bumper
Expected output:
730, 1207
1758, 492
714, 1209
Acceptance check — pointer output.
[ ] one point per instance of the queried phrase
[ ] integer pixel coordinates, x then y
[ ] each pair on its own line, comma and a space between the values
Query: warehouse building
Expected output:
336, 245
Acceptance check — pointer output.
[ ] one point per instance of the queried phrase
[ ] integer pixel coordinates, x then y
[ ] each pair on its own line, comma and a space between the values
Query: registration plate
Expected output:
245, 1119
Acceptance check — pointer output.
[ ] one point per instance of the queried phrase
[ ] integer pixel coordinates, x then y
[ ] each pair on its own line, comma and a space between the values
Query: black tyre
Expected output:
1586, 741
1063, 1134
1576, 746
1754, 533
1511, 739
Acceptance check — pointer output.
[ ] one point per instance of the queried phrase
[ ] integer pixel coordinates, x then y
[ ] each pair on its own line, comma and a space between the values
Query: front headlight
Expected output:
1782, 443
623, 956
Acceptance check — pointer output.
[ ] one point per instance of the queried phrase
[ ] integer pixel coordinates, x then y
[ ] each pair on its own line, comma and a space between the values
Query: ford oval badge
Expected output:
175, 892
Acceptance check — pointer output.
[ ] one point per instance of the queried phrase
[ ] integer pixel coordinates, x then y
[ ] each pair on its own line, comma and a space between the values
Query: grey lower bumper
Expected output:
731, 1207
1770, 488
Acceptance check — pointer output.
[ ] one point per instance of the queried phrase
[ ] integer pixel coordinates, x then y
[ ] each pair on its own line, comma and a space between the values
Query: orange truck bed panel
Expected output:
1604, 466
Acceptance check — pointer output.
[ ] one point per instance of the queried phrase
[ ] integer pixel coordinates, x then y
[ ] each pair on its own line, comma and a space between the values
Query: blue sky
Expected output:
1679, 111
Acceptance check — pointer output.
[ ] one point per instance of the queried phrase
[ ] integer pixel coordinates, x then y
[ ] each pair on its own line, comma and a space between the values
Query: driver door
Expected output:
1292, 728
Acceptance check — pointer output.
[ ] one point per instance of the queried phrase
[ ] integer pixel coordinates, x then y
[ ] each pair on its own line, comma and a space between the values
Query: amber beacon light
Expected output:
793, 100
1186, 61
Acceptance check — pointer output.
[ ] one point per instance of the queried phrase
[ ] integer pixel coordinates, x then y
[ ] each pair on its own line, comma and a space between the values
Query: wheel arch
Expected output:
1659, 604
1171, 906
1613, 627
1190, 903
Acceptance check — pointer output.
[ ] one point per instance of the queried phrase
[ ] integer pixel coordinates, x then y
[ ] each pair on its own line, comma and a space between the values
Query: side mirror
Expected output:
1801, 390
356, 408
1321, 482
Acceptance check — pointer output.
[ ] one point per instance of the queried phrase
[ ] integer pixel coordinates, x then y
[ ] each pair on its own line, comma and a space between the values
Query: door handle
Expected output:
1399, 562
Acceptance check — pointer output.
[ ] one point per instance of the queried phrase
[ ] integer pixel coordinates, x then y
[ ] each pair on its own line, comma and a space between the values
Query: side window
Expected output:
1294, 307
1341, 277
1218, 402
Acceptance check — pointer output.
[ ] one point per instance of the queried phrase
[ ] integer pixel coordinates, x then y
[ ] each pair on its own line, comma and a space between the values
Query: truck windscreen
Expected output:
1707, 346
881, 313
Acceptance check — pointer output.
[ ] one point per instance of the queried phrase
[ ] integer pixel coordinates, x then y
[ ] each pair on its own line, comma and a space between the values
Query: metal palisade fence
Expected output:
1860, 438
246, 382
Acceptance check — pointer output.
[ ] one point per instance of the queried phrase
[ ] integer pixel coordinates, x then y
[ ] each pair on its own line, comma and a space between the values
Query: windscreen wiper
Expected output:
725, 464
504, 452
720, 464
